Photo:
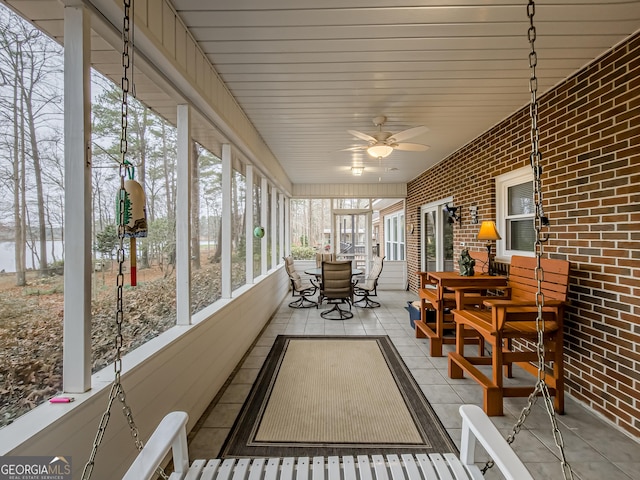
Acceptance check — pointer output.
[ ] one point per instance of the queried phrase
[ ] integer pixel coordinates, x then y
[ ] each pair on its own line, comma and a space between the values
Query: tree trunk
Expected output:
144, 254
218, 254
165, 171
21, 279
195, 207
37, 170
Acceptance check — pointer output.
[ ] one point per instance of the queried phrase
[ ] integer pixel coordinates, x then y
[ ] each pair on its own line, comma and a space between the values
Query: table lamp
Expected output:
489, 232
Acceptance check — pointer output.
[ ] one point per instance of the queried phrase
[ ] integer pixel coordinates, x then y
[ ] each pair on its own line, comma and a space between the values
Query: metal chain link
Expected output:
117, 390
540, 220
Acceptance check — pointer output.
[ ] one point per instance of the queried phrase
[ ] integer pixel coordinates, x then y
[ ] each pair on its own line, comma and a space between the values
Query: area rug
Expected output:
335, 395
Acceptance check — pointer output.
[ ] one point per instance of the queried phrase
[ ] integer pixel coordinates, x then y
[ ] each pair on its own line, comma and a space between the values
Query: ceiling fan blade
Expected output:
355, 149
407, 134
411, 147
362, 136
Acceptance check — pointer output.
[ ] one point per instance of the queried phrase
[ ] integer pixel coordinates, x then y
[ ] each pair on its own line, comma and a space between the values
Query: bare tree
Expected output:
29, 63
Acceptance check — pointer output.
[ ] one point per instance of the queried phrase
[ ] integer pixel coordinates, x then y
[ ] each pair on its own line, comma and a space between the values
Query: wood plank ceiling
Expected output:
306, 71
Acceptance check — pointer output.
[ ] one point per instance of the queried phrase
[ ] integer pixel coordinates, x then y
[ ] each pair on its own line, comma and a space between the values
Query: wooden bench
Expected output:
439, 297
504, 320
171, 437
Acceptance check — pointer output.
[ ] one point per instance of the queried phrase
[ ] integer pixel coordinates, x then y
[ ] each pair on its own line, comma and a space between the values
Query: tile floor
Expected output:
593, 448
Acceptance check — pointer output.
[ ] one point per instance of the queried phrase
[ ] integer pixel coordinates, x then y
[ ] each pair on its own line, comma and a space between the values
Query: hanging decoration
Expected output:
258, 232
135, 216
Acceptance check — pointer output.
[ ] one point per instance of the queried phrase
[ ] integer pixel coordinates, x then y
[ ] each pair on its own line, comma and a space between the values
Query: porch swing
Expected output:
171, 437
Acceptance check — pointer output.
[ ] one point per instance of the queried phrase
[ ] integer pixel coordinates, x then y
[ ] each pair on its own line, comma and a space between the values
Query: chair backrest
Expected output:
336, 279
296, 281
374, 273
376, 268
324, 257
523, 283
482, 260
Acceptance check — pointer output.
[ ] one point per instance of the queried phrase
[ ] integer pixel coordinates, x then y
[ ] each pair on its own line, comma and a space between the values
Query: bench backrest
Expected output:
522, 278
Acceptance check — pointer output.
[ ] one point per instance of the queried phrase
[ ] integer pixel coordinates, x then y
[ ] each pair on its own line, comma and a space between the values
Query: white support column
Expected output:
281, 209
274, 226
225, 259
287, 229
248, 213
77, 200
183, 217
264, 222
368, 247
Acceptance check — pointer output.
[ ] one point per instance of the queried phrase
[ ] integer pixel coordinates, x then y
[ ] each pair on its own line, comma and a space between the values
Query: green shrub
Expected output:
303, 253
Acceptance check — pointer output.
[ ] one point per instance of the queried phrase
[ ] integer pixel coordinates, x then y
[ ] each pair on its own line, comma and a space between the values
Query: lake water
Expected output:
8, 255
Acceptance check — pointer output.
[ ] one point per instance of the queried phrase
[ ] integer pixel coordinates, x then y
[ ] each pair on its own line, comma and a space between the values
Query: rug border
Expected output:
246, 423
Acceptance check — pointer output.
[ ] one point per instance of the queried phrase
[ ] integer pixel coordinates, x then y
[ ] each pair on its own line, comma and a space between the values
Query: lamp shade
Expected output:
488, 231
379, 150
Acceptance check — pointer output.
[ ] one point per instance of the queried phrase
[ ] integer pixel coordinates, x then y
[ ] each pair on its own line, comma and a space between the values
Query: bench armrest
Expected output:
471, 295
476, 426
169, 435
423, 279
500, 303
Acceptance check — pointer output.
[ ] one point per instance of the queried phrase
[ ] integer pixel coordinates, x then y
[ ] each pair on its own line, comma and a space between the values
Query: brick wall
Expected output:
590, 140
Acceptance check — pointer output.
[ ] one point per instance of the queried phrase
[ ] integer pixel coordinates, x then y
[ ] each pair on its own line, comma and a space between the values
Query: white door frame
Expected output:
438, 207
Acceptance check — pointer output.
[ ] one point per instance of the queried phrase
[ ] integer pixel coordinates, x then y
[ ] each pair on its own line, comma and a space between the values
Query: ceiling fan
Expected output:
380, 144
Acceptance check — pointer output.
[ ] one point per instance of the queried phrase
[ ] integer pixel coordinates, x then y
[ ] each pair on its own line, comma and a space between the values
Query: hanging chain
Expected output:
540, 220
117, 390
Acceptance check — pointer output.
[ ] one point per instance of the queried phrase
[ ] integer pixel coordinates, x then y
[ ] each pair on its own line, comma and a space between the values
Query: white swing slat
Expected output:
170, 436
286, 472
411, 466
242, 467
441, 466
226, 469
363, 467
317, 468
349, 468
271, 471
209, 471
426, 467
195, 470
379, 467
303, 468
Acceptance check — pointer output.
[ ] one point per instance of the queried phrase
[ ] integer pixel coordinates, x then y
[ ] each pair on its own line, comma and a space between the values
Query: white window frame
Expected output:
503, 182
394, 238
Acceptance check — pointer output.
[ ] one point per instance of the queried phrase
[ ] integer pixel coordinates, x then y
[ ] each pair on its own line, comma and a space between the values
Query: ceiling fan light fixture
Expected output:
357, 171
379, 150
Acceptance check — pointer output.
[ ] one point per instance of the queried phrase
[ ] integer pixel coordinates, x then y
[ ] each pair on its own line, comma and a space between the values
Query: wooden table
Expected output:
440, 297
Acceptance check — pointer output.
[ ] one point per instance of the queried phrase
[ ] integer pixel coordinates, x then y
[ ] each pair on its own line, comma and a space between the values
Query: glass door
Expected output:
437, 237
352, 236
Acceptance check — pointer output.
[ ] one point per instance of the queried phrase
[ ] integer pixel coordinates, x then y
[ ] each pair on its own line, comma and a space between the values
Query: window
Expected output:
394, 236
238, 229
206, 274
515, 213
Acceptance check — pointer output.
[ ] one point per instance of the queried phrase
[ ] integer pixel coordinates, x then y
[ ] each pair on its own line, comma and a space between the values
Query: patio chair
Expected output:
298, 289
337, 288
369, 287
324, 257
